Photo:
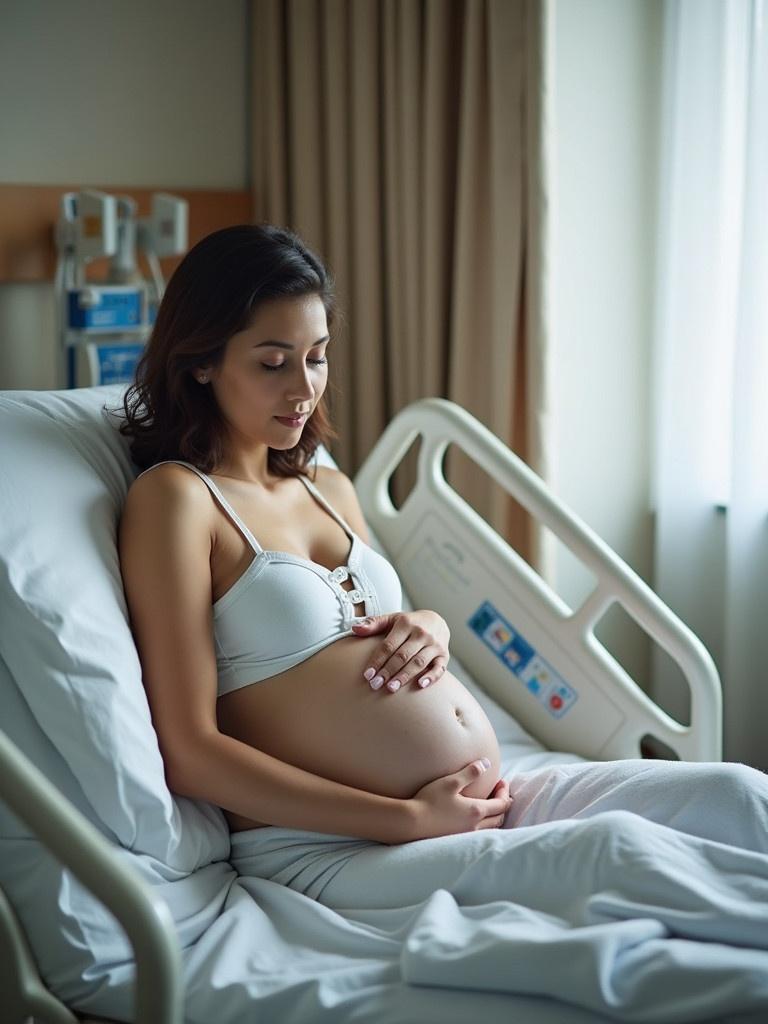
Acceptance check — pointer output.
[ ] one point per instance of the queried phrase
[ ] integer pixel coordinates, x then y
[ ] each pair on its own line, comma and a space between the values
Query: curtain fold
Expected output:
711, 373
396, 136
490, 233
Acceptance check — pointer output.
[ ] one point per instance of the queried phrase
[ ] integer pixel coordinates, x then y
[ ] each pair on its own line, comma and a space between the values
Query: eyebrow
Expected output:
285, 345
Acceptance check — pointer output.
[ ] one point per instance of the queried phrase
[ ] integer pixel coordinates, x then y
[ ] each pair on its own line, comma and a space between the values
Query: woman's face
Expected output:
274, 373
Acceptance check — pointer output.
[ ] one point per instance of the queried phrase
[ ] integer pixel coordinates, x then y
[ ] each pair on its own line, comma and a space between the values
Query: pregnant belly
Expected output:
322, 716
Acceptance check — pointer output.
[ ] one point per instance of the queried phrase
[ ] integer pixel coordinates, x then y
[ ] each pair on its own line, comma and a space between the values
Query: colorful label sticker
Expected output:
533, 671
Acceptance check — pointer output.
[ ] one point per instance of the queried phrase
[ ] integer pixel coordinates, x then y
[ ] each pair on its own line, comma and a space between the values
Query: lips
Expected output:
292, 421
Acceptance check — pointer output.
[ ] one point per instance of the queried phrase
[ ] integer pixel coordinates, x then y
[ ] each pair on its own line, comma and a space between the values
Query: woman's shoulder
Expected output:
339, 491
167, 485
166, 516
334, 484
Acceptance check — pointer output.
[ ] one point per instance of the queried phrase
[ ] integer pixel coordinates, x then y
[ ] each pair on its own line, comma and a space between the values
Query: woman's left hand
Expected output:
415, 648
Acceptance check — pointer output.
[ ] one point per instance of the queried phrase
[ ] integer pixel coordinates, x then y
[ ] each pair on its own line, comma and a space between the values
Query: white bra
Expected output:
285, 608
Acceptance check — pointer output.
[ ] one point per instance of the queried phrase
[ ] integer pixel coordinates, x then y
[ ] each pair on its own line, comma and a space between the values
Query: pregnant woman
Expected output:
251, 586
288, 687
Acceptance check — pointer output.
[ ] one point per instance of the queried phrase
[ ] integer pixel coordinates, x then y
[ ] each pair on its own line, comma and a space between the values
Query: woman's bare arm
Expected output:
166, 538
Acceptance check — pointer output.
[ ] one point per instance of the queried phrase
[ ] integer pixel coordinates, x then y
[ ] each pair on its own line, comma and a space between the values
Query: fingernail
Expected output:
393, 685
425, 681
369, 673
376, 682
485, 763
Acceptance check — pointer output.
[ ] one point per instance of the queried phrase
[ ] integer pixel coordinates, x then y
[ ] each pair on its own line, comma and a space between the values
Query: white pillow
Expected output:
64, 634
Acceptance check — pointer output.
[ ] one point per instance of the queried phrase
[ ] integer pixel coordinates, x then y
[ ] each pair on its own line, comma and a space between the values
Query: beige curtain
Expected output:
401, 138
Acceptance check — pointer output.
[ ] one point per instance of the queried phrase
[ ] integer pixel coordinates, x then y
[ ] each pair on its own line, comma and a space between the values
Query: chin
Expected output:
283, 446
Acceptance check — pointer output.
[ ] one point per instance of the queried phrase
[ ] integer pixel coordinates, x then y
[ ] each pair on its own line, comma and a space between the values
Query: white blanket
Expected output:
618, 914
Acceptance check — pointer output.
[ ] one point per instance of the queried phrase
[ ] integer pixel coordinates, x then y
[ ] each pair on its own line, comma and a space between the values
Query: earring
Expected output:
203, 378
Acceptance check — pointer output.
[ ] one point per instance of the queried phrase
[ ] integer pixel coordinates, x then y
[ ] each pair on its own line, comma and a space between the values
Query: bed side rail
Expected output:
79, 846
537, 657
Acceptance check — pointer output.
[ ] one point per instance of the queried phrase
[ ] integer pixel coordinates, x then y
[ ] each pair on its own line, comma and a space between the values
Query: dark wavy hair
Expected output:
214, 294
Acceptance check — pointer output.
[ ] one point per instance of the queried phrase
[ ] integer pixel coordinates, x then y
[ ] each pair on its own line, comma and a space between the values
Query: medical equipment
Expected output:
103, 325
74, 706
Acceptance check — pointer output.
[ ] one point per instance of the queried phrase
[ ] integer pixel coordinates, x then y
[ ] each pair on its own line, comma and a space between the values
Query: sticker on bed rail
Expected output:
535, 673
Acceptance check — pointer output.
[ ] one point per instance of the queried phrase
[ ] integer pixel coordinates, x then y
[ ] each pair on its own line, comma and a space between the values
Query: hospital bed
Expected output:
90, 835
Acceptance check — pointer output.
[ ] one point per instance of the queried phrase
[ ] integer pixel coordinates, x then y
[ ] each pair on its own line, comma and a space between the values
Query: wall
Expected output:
146, 93
607, 64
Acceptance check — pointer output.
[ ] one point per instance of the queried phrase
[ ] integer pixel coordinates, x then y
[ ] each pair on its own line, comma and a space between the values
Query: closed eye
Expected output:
312, 362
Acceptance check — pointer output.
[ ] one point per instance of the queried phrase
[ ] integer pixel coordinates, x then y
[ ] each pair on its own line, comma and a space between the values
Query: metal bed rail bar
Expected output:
144, 916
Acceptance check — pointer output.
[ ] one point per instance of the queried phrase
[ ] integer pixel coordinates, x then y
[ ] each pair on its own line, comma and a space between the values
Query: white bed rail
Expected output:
531, 652
79, 846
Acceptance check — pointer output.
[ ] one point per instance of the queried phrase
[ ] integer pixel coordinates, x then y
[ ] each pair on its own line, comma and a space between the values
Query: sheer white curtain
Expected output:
711, 353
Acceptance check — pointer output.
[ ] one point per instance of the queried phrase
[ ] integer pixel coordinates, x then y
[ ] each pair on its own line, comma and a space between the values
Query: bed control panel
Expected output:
510, 637
534, 672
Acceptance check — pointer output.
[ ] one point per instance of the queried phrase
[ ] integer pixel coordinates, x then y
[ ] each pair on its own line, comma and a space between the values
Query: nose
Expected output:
300, 387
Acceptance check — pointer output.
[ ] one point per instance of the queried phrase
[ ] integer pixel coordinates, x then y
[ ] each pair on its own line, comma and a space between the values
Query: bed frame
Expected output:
535, 656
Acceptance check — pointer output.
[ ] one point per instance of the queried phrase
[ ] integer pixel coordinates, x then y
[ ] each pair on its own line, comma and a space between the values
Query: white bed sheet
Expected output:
272, 953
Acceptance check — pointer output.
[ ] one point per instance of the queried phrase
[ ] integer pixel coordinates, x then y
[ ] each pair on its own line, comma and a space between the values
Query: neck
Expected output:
248, 464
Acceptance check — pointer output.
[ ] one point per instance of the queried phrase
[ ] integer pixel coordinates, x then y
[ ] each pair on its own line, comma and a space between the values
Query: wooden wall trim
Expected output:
28, 215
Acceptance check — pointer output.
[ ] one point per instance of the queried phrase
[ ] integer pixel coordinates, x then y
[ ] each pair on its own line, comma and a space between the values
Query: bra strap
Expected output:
313, 489
219, 498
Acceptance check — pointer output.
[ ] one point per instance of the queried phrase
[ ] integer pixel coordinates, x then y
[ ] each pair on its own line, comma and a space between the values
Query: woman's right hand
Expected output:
442, 809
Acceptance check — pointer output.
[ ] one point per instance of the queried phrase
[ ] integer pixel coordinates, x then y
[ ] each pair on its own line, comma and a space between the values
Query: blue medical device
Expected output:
104, 325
